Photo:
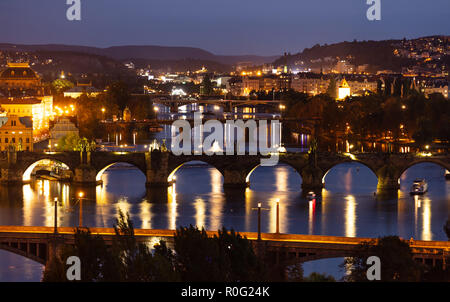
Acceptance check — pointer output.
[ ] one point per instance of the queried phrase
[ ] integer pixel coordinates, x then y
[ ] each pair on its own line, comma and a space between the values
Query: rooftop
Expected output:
20, 101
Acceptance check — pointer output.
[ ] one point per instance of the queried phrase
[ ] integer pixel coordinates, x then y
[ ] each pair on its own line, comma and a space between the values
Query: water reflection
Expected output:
347, 206
350, 216
172, 207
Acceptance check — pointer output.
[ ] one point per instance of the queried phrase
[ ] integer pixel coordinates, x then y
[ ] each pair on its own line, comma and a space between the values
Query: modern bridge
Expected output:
41, 243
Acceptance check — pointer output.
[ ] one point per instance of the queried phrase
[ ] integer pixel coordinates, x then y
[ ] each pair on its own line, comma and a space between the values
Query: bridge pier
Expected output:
388, 181
312, 179
157, 169
235, 179
157, 194
85, 175
11, 176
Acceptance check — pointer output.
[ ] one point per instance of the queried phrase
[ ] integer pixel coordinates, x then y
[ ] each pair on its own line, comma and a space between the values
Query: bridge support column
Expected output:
85, 175
235, 179
388, 181
11, 176
312, 179
157, 169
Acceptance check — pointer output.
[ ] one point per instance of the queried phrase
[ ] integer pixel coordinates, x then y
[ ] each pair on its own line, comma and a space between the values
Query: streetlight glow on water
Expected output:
346, 206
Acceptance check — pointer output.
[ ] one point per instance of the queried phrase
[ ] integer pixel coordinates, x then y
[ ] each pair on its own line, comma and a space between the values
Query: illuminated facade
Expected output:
16, 132
81, 89
39, 109
310, 84
24, 95
343, 90
18, 80
60, 129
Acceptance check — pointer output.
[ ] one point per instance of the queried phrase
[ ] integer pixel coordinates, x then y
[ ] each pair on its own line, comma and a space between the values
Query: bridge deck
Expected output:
13, 231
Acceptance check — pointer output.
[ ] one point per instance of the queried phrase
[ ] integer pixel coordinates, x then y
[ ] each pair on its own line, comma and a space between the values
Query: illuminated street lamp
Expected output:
278, 217
103, 112
80, 200
259, 221
259, 208
56, 215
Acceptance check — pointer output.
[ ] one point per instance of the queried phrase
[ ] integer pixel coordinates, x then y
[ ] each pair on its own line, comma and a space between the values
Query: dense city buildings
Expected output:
80, 89
23, 96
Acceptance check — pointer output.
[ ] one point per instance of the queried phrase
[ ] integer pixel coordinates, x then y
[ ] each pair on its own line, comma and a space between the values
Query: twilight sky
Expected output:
265, 27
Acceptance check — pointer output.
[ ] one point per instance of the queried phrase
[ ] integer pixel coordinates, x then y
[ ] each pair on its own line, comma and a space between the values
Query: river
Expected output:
348, 206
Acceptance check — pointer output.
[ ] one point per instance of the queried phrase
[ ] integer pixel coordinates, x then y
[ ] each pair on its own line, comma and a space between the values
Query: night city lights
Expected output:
220, 149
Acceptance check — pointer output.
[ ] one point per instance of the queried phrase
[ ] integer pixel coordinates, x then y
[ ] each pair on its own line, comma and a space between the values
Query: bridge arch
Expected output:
280, 164
171, 176
445, 166
100, 172
26, 176
353, 162
34, 251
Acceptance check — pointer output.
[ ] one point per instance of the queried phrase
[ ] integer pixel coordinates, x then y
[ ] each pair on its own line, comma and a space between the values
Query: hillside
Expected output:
144, 52
378, 54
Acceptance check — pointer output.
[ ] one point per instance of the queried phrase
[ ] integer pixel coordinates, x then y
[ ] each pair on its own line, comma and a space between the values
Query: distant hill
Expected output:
378, 54
144, 52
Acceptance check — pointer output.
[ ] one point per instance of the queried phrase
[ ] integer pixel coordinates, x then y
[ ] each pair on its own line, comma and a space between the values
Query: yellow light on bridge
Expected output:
81, 194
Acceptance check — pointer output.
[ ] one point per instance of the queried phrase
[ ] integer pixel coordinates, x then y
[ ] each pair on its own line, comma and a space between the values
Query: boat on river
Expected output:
419, 187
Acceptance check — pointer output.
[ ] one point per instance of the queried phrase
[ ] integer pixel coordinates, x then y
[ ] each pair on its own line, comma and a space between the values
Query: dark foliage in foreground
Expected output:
225, 257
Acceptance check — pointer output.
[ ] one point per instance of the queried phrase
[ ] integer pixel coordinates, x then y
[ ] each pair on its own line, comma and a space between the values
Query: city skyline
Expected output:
222, 28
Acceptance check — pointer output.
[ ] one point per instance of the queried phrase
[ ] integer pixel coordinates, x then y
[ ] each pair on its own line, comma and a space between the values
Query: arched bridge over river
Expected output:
158, 167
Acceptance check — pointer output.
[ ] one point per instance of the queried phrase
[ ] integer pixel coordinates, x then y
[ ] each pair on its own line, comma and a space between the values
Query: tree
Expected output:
226, 257
397, 263
332, 88
118, 93
317, 277
61, 85
424, 132
73, 142
206, 87
126, 260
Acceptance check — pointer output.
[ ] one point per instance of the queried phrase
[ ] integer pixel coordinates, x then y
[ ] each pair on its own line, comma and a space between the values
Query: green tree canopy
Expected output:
397, 263
61, 85
72, 142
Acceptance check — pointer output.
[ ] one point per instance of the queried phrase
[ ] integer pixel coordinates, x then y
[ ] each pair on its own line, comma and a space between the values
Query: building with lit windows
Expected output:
60, 129
18, 80
17, 133
81, 89
343, 90
359, 86
39, 110
310, 83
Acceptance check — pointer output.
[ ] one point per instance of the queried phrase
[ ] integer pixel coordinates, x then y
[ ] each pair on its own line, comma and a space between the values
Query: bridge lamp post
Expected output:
278, 217
259, 208
103, 112
80, 199
56, 215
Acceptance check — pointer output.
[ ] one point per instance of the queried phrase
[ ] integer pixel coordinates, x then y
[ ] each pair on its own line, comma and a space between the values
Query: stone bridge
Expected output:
159, 167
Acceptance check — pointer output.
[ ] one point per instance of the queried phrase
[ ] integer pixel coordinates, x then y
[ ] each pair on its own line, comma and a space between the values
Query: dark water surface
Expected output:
348, 206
